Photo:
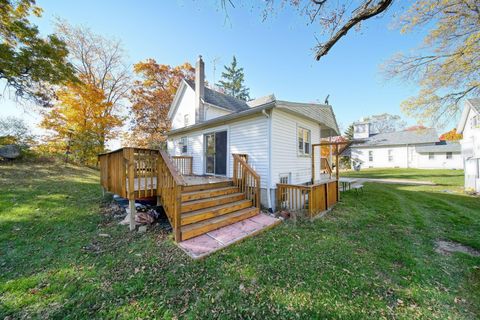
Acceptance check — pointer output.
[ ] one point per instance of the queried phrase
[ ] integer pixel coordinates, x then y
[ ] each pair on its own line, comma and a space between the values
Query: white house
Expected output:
469, 126
403, 149
275, 135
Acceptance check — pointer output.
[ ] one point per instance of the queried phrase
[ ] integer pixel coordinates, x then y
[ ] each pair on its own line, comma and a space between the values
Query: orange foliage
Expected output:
451, 135
151, 98
82, 118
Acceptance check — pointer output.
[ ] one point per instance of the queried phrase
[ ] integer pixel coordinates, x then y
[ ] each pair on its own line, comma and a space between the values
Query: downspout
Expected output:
269, 174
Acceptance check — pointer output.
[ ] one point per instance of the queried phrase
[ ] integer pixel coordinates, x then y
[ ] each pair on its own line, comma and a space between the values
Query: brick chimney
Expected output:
199, 90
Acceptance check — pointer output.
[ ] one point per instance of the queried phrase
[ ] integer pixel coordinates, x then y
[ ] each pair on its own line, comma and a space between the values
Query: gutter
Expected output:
269, 174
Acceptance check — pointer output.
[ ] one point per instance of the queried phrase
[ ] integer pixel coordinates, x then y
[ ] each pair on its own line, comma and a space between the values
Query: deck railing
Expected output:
325, 166
170, 185
184, 164
311, 199
246, 179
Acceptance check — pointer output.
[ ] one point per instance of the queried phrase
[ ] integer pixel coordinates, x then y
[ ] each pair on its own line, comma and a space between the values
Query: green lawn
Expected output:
371, 257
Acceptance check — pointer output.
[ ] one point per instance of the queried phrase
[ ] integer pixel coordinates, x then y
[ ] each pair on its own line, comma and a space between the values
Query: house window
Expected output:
449, 155
370, 156
285, 178
431, 156
184, 144
475, 122
186, 120
303, 141
390, 155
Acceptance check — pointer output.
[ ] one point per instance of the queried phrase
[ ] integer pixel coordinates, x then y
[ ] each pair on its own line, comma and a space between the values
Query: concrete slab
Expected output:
206, 244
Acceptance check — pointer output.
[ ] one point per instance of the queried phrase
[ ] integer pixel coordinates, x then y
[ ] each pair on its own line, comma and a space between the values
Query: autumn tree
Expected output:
99, 62
451, 135
14, 130
29, 63
447, 66
81, 122
232, 81
151, 97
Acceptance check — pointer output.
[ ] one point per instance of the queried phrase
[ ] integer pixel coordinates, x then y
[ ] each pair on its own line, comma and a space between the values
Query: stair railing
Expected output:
246, 179
169, 189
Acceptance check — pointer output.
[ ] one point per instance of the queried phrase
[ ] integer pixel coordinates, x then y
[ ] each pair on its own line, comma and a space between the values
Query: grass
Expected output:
371, 257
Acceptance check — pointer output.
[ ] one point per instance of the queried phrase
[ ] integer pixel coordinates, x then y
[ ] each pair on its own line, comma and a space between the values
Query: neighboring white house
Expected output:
469, 126
403, 149
276, 135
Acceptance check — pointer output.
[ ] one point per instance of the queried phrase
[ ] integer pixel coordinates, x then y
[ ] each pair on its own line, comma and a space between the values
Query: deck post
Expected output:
337, 171
131, 187
133, 212
177, 212
313, 163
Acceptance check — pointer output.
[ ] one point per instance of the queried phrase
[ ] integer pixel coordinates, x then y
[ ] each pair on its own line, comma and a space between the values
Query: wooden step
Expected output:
208, 213
206, 186
211, 202
195, 229
203, 194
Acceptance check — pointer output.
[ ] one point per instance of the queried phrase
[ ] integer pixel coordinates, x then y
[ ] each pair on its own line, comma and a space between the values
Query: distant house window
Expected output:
390, 155
431, 156
449, 155
186, 120
304, 143
370, 156
184, 144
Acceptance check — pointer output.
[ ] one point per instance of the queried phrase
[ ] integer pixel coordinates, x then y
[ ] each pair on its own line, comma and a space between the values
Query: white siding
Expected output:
248, 136
186, 107
212, 112
404, 157
471, 154
285, 159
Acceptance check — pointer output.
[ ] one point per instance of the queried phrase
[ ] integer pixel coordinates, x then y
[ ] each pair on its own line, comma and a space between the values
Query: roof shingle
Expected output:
399, 138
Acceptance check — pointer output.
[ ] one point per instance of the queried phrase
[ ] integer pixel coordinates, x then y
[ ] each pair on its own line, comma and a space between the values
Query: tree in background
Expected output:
81, 122
385, 122
29, 64
447, 67
232, 81
14, 130
88, 111
98, 61
451, 135
151, 97
348, 134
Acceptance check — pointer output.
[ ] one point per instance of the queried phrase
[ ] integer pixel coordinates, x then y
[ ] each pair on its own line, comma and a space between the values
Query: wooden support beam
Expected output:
133, 212
313, 164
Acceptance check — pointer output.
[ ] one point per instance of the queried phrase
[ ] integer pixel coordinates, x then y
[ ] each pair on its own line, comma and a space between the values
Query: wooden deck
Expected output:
193, 204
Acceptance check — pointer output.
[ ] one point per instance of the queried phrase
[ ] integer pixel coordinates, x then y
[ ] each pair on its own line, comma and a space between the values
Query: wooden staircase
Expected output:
211, 206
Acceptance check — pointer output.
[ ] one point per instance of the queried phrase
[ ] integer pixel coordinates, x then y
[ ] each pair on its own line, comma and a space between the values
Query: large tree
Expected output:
151, 97
81, 121
29, 63
99, 61
385, 122
446, 67
232, 81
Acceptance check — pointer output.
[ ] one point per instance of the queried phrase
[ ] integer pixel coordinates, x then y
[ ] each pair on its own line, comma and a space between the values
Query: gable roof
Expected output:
470, 104
442, 146
220, 99
323, 114
398, 138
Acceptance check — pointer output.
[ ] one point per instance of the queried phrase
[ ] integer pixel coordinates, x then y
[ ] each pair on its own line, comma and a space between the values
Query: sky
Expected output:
277, 54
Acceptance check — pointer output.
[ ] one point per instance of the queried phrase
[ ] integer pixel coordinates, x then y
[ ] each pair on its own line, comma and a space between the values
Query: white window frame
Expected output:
306, 150
390, 155
183, 145
284, 178
370, 155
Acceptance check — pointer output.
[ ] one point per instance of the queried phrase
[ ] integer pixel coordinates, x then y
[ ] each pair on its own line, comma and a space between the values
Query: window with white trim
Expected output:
285, 178
390, 155
304, 143
370, 155
449, 155
184, 145
431, 156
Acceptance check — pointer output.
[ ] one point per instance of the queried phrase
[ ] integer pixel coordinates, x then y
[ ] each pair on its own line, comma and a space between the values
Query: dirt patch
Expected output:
447, 247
